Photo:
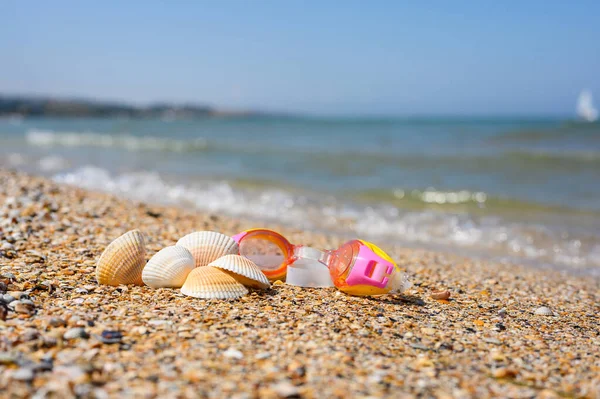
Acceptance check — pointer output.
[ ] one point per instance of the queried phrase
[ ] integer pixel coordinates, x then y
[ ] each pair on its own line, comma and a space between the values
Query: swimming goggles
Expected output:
357, 268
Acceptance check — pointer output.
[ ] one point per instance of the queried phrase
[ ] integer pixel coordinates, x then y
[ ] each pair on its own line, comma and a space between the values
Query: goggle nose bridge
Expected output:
302, 251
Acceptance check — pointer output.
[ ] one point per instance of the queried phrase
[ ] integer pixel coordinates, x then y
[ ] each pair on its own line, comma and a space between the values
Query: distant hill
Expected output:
76, 108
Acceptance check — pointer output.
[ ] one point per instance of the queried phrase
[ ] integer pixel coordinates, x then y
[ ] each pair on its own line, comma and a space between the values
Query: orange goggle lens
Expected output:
269, 250
342, 260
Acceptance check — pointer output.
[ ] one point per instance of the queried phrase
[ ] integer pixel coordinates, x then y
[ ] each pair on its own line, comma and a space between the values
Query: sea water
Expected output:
521, 190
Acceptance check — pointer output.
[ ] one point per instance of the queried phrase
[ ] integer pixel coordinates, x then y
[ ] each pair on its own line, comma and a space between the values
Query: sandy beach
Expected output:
506, 331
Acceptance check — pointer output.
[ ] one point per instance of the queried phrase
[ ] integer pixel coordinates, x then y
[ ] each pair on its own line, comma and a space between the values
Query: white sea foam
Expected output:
48, 138
213, 196
383, 223
490, 235
433, 196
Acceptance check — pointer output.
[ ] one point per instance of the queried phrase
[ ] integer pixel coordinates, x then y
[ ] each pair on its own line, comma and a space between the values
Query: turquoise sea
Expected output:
523, 190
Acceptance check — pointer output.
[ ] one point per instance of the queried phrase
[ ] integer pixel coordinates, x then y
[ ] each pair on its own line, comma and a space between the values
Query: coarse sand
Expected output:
506, 330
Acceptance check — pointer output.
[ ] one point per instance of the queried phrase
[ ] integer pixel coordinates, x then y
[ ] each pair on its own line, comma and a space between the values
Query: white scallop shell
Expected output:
243, 270
209, 282
169, 267
123, 260
207, 246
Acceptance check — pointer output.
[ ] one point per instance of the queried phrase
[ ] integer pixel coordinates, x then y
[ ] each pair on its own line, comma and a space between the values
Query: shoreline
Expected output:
519, 192
555, 241
486, 341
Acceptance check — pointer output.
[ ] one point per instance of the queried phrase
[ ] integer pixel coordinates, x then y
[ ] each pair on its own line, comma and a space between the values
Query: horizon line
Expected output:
257, 112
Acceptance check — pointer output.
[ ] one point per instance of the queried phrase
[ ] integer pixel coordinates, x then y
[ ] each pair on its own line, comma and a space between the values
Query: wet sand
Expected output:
64, 335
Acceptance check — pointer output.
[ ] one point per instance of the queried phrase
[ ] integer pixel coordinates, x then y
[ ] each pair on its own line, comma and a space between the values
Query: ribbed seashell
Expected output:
243, 270
209, 282
123, 260
207, 246
168, 268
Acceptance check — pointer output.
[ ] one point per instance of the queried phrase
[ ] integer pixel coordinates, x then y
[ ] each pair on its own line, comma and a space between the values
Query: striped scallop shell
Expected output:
243, 270
123, 260
169, 267
209, 282
207, 246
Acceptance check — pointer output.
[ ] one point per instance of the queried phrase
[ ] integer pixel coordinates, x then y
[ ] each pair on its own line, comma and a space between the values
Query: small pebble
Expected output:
74, 333
49, 341
23, 374
504, 372
56, 322
7, 298
23, 308
428, 331
423, 362
7, 246
157, 322
493, 341
296, 369
497, 356
111, 337
419, 346
233, 354
9, 276
44, 365
285, 389
30, 334
72, 374
441, 295
27, 301
262, 355
502, 312
7, 358
544, 311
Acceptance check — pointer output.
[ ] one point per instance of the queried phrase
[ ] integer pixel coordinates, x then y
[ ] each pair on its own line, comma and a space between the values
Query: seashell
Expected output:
243, 270
207, 246
123, 260
209, 282
169, 267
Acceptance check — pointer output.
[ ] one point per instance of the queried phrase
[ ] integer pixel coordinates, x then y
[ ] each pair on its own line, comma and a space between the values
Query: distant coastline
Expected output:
33, 106
40, 106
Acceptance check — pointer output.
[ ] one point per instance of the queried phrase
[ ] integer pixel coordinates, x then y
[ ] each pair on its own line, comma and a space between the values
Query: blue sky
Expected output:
323, 57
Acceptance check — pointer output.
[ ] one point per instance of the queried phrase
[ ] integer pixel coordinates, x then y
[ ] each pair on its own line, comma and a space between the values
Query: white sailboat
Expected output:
585, 107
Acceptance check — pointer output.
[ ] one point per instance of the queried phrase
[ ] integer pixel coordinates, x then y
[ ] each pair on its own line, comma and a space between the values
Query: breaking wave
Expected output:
125, 141
328, 157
